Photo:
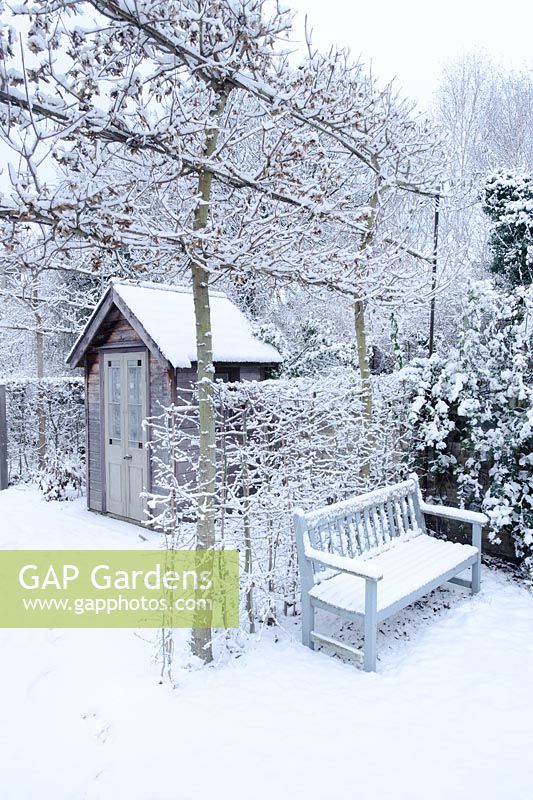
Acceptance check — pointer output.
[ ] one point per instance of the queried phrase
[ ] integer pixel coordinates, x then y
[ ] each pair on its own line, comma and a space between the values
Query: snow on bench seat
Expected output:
417, 562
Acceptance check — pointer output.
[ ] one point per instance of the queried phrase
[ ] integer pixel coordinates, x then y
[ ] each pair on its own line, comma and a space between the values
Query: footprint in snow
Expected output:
99, 728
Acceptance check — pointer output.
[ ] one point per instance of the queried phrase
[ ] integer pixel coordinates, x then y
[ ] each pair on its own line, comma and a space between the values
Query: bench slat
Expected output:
384, 524
353, 551
398, 518
391, 520
318, 542
359, 533
369, 530
336, 533
411, 512
405, 514
376, 524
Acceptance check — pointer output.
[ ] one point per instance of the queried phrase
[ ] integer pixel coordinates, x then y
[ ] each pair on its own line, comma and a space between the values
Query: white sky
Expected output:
413, 39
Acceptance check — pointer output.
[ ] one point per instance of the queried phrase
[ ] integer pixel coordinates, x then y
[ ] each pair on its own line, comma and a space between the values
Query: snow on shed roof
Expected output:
166, 313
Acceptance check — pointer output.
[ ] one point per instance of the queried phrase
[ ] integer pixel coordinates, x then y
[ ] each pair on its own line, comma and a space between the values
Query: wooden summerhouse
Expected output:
138, 351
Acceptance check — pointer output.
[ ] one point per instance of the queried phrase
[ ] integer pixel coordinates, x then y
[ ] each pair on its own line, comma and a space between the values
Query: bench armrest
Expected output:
353, 566
458, 514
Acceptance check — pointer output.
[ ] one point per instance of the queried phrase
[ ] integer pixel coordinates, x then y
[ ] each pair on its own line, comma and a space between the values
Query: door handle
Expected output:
128, 458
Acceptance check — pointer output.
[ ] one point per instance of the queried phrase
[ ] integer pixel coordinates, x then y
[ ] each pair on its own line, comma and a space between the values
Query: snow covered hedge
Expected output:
280, 444
46, 434
472, 413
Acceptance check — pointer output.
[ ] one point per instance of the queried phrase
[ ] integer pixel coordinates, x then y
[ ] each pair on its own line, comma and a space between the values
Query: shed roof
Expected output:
163, 316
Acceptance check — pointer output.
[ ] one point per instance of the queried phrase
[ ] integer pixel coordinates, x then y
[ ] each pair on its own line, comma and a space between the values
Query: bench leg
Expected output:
371, 626
308, 621
476, 568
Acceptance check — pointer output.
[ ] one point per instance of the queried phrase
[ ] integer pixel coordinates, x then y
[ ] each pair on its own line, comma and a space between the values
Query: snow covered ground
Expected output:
83, 716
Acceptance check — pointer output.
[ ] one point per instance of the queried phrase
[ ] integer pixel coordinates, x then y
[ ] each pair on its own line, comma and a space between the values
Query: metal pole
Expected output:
3, 438
434, 274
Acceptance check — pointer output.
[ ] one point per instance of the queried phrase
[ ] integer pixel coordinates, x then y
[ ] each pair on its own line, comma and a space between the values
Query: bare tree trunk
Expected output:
224, 475
362, 349
366, 384
247, 527
206, 477
362, 357
40, 410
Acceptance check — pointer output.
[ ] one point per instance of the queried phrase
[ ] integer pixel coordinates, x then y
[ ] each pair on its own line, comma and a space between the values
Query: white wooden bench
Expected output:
368, 557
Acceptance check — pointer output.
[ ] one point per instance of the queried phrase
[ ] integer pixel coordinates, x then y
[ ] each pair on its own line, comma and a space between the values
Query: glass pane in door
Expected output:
114, 398
134, 403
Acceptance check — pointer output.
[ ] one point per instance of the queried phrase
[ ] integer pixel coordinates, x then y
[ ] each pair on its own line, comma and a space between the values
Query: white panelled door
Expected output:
126, 459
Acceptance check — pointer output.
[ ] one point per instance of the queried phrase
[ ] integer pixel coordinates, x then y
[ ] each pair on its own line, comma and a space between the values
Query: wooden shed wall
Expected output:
94, 436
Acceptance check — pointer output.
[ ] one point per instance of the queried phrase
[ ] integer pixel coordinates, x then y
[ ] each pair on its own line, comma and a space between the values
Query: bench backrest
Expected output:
365, 525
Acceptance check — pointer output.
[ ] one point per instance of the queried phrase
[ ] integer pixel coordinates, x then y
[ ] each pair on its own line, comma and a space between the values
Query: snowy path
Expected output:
82, 716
